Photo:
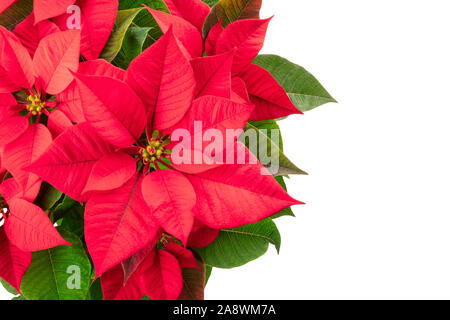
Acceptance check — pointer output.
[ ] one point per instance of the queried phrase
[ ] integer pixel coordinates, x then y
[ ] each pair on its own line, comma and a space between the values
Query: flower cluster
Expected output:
81, 131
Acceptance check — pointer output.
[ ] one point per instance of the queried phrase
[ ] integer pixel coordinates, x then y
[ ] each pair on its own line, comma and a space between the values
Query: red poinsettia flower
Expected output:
25, 228
155, 273
128, 203
46, 74
30, 34
250, 82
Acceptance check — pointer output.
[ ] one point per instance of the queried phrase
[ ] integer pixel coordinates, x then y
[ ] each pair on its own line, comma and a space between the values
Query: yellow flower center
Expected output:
36, 106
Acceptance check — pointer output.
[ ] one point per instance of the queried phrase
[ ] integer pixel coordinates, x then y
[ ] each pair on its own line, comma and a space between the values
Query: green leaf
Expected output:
95, 291
123, 21
16, 13
230, 11
131, 46
53, 273
236, 247
47, 197
145, 19
264, 135
72, 213
286, 211
210, 2
302, 87
208, 274
19, 298
9, 287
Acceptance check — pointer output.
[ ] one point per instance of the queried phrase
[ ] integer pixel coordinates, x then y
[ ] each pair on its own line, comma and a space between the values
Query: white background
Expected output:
377, 220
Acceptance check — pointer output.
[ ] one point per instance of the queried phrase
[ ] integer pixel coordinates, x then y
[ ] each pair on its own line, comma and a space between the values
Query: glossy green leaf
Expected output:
231, 10
8, 287
286, 211
131, 47
16, 13
123, 21
263, 134
210, 2
208, 273
302, 87
47, 197
236, 247
71, 212
95, 291
144, 19
60, 273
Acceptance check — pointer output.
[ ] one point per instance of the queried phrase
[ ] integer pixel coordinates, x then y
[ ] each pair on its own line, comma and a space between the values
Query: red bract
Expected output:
97, 21
158, 275
128, 203
43, 9
26, 228
247, 37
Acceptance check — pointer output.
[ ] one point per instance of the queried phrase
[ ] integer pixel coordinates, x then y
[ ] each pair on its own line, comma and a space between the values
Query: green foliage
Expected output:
53, 273
70, 215
236, 247
47, 197
123, 21
263, 133
286, 211
8, 287
131, 47
144, 19
302, 87
231, 10
210, 2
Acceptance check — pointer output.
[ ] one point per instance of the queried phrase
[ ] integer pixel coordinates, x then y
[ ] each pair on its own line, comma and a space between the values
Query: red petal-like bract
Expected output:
131, 264
211, 40
23, 151
269, 98
111, 172
185, 257
29, 228
171, 198
58, 122
69, 99
213, 75
162, 279
239, 91
188, 35
12, 125
233, 195
113, 286
68, 162
4, 4
98, 17
45, 9
118, 224
202, 236
13, 261
15, 61
163, 78
31, 34
247, 36
194, 11
55, 56
112, 108
215, 114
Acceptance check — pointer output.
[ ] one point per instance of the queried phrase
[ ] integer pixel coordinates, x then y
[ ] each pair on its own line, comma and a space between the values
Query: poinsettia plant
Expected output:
139, 145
